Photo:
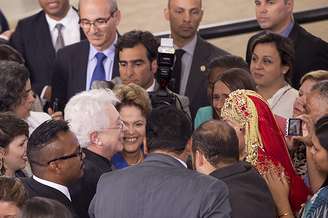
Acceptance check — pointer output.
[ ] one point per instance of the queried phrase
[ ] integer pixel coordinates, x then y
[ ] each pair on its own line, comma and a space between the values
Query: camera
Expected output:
165, 62
294, 127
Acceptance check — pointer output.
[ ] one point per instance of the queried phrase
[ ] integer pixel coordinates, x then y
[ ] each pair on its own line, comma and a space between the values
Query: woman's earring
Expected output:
2, 167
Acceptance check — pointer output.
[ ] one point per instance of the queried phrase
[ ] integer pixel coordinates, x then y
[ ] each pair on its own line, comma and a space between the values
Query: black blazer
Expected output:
196, 89
36, 189
70, 71
32, 38
311, 53
249, 194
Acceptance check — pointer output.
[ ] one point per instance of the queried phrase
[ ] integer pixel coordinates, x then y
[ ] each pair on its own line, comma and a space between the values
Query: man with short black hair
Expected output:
311, 52
56, 160
216, 153
161, 186
137, 54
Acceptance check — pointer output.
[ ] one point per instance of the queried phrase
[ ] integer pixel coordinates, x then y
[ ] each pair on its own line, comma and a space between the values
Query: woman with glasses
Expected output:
13, 140
134, 108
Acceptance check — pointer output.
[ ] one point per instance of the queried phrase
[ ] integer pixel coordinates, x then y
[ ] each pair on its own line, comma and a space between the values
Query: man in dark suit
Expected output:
100, 136
216, 153
191, 78
311, 52
78, 65
137, 54
56, 161
39, 36
161, 186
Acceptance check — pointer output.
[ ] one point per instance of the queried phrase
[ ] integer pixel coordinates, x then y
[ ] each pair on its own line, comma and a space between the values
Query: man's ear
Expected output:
199, 156
167, 14
117, 16
94, 138
154, 67
290, 5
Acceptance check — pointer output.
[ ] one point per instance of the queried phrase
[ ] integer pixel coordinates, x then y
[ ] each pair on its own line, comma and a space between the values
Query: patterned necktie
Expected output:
99, 72
177, 70
60, 40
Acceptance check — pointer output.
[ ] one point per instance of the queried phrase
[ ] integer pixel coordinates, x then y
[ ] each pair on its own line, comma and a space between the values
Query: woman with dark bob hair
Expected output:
13, 141
16, 94
271, 67
134, 107
229, 81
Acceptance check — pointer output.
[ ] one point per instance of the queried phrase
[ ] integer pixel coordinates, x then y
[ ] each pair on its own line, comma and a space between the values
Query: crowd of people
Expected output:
88, 127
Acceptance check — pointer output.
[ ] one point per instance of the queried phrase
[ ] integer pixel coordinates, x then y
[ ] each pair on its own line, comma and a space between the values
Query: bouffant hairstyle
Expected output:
133, 95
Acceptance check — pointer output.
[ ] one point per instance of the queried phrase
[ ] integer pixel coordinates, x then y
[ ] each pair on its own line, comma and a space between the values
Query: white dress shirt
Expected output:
61, 188
108, 62
70, 30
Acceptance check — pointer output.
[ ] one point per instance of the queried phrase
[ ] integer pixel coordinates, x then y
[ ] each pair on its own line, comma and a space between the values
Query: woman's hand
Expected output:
279, 188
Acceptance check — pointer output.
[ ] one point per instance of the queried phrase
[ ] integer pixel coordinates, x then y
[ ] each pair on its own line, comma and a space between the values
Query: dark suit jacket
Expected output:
70, 71
32, 38
36, 189
159, 187
311, 53
84, 189
4, 26
249, 194
196, 89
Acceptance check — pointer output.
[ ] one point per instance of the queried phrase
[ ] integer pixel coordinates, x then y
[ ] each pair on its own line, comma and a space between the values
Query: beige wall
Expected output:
148, 15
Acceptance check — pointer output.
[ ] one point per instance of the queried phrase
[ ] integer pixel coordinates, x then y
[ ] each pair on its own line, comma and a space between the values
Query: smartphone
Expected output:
294, 127
55, 105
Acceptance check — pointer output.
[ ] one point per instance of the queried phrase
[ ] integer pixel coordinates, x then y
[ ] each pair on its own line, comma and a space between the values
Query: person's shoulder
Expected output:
209, 47
72, 50
306, 36
31, 20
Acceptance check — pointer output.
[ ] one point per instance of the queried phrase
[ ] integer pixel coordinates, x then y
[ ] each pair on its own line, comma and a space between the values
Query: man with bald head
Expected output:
311, 52
78, 65
192, 52
56, 160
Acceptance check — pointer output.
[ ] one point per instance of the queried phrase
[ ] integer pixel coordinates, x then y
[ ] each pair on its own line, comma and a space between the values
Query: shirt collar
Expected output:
152, 87
190, 46
109, 52
287, 30
182, 162
61, 188
71, 14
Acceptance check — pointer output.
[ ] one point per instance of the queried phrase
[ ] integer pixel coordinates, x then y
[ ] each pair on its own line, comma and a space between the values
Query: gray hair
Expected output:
87, 112
322, 89
113, 4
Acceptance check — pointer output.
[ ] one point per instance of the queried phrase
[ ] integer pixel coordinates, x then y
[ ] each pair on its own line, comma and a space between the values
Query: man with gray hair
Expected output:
98, 127
78, 65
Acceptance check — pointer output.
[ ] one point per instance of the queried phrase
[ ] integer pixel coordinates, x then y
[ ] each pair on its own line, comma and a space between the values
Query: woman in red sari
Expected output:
265, 146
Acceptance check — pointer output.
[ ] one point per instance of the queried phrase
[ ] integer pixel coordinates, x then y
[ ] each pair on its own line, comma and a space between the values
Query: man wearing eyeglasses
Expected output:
78, 65
39, 36
100, 133
56, 160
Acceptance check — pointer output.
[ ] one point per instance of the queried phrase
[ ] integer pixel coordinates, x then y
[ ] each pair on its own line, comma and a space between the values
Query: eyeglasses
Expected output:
78, 152
98, 23
120, 125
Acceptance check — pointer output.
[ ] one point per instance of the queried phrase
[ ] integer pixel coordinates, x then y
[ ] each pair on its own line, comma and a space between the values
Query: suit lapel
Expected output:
195, 76
45, 43
81, 65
